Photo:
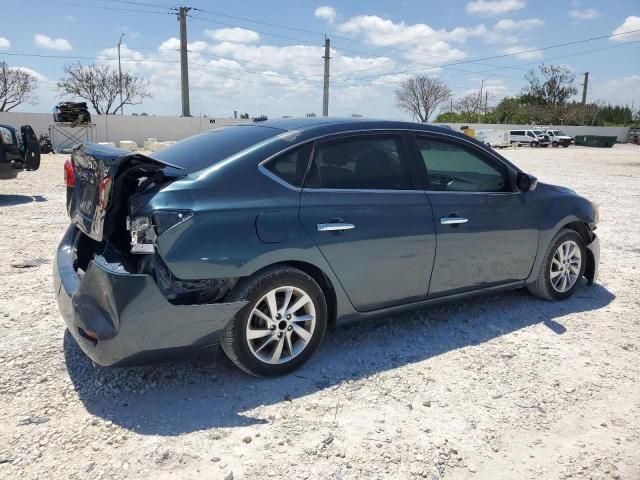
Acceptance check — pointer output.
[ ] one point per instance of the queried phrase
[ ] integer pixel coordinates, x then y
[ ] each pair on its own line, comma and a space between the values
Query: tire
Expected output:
254, 355
544, 287
534, 144
554, 144
566, 145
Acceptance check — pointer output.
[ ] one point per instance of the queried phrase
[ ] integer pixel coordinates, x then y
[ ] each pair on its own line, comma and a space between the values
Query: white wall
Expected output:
113, 128
621, 132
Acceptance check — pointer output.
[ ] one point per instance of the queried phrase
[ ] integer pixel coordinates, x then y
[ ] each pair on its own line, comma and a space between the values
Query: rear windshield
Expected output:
206, 149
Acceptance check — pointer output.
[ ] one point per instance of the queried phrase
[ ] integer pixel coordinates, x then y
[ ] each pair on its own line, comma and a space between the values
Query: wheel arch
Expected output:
582, 229
321, 279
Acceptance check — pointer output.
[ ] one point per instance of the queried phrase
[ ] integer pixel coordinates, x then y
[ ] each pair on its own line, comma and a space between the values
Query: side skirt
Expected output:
430, 302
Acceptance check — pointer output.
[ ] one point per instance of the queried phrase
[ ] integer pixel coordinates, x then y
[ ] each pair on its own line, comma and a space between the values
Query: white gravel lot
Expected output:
502, 387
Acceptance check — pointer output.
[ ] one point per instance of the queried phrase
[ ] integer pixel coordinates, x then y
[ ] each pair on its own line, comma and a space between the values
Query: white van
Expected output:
533, 138
559, 138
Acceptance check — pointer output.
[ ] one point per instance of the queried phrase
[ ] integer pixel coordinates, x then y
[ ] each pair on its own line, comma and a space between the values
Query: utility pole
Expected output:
184, 62
120, 75
584, 88
486, 102
325, 93
480, 100
584, 96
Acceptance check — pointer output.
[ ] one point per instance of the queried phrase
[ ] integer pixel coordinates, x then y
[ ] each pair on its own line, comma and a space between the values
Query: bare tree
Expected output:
470, 104
422, 96
16, 87
99, 84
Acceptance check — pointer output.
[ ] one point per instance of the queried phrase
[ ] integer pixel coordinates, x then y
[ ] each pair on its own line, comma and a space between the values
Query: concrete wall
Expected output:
113, 128
621, 132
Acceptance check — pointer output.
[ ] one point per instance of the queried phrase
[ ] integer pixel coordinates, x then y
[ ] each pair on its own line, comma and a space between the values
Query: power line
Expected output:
504, 55
584, 52
103, 7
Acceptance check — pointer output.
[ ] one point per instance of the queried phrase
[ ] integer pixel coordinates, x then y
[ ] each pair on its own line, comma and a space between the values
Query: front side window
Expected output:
292, 165
5, 136
453, 168
367, 162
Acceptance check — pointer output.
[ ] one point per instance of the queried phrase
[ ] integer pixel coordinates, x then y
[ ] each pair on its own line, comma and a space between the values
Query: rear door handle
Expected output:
335, 227
453, 220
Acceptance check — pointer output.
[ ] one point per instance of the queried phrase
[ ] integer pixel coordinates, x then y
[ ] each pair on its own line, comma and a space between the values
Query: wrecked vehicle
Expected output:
76, 113
18, 152
258, 236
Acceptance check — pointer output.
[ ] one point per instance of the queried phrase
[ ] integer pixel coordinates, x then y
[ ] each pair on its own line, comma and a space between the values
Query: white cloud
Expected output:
492, 8
5, 44
528, 53
580, 15
385, 32
235, 34
508, 25
327, 13
43, 41
630, 23
619, 91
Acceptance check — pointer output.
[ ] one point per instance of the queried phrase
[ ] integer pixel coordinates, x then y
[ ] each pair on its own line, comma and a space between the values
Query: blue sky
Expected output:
275, 67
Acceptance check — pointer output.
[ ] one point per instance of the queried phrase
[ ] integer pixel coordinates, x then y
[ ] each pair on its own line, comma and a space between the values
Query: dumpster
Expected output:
600, 141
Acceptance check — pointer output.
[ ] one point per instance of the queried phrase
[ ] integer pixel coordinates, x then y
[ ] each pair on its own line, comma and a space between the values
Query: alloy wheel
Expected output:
566, 265
281, 325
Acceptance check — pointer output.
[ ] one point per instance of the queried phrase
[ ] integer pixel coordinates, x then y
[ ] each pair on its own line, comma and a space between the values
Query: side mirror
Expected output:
526, 182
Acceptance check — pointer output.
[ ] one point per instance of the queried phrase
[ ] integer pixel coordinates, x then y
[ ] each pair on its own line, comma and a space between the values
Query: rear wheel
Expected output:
562, 267
281, 326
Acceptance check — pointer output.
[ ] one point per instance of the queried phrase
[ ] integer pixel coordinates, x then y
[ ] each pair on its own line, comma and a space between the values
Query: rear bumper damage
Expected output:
120, 318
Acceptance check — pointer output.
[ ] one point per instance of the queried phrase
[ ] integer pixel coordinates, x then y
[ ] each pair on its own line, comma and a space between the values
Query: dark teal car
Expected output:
259, 236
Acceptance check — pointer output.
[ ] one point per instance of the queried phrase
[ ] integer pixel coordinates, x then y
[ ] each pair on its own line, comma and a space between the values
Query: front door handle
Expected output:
453, 220
335, 227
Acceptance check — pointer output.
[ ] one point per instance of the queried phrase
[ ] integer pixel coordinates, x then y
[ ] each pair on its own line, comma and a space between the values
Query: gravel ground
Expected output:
503, 387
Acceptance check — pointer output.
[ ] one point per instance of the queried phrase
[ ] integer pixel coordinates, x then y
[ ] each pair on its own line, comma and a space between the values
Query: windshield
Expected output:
209, 148
559, 133
538, 132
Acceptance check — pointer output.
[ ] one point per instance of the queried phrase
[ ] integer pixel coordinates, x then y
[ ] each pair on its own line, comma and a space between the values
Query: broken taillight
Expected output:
69, 174
103, 192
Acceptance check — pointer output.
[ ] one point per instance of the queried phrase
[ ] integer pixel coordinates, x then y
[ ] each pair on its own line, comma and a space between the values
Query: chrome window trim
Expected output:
329, 136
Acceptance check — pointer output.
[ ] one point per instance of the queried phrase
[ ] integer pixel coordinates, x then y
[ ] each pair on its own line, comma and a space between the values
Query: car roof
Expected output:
330, 125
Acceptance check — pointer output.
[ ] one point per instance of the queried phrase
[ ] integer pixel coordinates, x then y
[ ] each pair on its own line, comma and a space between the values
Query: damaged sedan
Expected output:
258, 237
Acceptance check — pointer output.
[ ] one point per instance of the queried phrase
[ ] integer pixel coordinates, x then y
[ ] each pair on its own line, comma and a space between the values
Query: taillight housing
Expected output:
69, 174
103, 192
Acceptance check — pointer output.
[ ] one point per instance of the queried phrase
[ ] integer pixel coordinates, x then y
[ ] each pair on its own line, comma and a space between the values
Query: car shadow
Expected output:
12, 200
172, 399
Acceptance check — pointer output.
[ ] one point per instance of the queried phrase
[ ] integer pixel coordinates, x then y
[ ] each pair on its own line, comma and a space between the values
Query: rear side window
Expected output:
517, 132
452, 167
206, 149
367, 162
292, 165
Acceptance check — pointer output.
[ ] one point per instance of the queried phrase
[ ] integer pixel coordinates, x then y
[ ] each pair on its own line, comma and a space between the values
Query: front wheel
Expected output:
281, 326
535, 144
562, 267
554, 144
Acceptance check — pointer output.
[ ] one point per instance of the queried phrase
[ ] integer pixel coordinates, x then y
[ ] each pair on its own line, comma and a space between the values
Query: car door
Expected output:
31, 148
369, 219
487, 233
9, 149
